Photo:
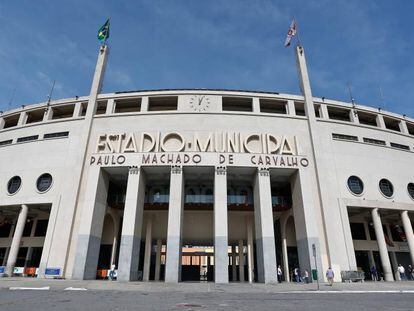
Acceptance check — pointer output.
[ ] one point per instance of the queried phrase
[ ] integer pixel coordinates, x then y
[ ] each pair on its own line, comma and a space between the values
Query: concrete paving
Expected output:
197, 287
20, 294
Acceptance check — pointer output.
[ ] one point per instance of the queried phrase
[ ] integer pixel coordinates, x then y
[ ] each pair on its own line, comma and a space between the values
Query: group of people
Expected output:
302, 276
405, 274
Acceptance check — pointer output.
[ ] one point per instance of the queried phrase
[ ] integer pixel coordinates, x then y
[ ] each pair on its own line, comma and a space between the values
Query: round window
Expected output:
355, 185
14, 185
44, 182
386, 187
410, 188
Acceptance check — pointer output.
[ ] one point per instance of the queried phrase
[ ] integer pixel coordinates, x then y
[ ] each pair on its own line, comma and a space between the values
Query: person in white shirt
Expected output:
401, 271
279, 274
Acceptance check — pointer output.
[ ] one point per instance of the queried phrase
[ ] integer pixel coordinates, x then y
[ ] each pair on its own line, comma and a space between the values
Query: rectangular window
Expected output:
300, 109
35, 116
392, 124
163, 103
237, 104
101, 107
63, 112
28, 228
367, 118
6, 142
27, 138
84, 107
374, 141
344, 137
410, 127
56, 135
41, 227
358, 231
397, 233
317, 111
399, 146
340, 114
273, 106
11, 121
128, 105
5, 230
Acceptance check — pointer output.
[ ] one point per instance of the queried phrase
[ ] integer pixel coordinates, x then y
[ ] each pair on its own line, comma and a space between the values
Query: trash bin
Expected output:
314, 274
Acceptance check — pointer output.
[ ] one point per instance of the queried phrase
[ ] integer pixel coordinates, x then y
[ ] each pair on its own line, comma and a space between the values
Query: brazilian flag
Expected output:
103, 32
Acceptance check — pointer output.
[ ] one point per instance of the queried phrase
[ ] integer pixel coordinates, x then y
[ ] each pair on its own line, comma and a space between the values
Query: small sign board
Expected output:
52, 271
2, 269
18, 270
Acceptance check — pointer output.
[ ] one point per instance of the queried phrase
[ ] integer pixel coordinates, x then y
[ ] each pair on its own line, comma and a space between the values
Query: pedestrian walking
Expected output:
401, 271
374, 274
410, 272
330, 276
306, 276
112, 273
279, 274
296, 273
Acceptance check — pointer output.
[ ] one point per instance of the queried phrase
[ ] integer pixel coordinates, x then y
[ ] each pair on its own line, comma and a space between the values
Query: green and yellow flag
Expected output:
103, 32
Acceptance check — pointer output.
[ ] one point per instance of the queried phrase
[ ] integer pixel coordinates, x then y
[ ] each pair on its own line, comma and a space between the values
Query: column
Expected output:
148, 248
28, 257
115, 240
382, 246
144, 104
408, 229
22, 118
132, 226
2, 122
241, 261
394, 263
78, 110
349, 244
158, 260
306, 228
380, 121
18, 232
29, 254
175, 225
91, 223
6, 255
256, 105
403, 127
221, 273
233, 264
291, 107
250, 250
353, 116
324, 111
48, 115
265, 239
110, 106
285, 258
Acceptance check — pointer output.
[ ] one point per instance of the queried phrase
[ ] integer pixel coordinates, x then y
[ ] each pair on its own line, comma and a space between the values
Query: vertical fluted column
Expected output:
408, 229
17, 237
250, 252
382, 246
132, 226
241, 261
148, 248
221, 274
265, 237
175, 225
158, 260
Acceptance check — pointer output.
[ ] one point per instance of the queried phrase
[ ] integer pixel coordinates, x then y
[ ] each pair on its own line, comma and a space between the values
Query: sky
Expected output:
227, 44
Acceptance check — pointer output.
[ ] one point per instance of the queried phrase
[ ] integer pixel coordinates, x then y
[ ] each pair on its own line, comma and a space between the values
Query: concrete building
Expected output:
213, 185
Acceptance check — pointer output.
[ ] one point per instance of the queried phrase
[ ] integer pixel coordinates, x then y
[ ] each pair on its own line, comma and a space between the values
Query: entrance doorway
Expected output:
197, 264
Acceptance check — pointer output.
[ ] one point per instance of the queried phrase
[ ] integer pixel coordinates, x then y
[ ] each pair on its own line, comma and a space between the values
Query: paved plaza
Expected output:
33, 294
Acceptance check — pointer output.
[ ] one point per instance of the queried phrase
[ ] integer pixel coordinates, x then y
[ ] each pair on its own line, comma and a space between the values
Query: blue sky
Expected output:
208, 44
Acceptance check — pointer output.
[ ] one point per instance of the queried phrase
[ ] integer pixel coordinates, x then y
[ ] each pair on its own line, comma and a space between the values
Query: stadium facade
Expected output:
215, 185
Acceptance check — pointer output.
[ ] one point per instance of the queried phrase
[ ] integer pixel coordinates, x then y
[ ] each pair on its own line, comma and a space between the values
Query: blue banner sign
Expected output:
52, 271
2, 269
